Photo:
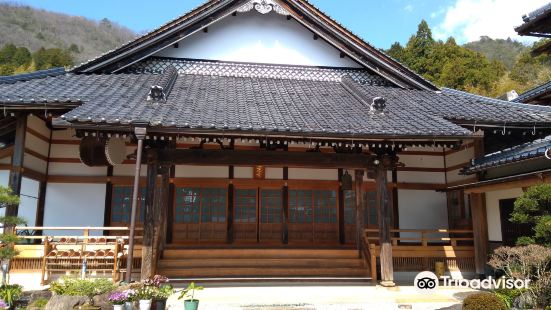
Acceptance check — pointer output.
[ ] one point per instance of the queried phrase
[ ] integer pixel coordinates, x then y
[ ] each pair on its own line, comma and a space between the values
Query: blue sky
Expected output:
380, 22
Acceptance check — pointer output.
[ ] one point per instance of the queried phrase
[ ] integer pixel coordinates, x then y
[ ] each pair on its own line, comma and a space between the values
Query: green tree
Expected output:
6, 53
22, 57
396, 51
8, 238
418, 49
534, 207
52, 57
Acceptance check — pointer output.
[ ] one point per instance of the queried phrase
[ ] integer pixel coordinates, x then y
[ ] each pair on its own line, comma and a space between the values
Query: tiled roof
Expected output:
536, 21
33, 75
534, 92
526, 151
266, 104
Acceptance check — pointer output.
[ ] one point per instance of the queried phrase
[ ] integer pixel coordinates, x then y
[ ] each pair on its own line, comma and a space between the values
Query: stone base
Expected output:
387, 284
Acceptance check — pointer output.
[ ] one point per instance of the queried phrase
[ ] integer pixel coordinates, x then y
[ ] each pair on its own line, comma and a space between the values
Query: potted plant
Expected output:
4, 305
189, 292
144, 295
130, 298
162, 293
117, 299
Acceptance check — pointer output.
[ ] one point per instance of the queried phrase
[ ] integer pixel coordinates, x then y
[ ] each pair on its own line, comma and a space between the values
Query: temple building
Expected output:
273, 143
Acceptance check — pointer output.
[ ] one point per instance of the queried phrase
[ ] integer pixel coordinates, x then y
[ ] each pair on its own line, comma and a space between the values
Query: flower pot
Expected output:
128, 305
118, 307
191, 304
159, 304
145, 304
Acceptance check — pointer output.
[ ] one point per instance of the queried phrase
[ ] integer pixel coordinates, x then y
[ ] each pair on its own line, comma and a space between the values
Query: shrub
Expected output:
483, 301
10, 293
508, 296
39, 303
79, 287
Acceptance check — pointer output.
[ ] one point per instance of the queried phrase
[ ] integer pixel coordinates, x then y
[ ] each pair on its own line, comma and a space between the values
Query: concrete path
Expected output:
313, 297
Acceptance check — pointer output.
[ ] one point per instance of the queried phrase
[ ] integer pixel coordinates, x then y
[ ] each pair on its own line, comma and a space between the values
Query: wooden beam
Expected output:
359, 195
17, 160
480, 232
285, 207
265, 158
229, 223
342, 237
149, 217
385, 222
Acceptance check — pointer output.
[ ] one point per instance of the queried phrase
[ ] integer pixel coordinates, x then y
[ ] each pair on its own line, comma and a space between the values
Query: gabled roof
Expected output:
33, 75
543, 90
527, 151
214, 10
536, 23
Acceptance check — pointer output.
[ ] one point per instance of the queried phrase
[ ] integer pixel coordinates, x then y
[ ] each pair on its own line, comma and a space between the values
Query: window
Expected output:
307, 206
206, 204
121, 205
270, 206
245, 206
370, 212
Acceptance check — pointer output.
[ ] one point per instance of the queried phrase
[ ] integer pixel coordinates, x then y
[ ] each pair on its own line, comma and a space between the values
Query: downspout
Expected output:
140, 133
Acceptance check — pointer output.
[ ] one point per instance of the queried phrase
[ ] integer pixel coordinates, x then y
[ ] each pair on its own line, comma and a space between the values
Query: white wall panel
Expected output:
64, 151
313, 174
67, 134
34, 163
76, 169
38, 125
36, 144
492, 210
459, 157
243, 172
422, 161
128, 170
254, 37
421, 177
420, 209
274, 173
186, 171
29, 200
74, 205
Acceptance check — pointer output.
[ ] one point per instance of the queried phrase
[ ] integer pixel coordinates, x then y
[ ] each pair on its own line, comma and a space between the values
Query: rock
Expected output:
102, 301
61, 302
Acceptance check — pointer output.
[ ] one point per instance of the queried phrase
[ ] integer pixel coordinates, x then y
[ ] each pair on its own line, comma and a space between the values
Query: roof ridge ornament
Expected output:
263, 7
163, 86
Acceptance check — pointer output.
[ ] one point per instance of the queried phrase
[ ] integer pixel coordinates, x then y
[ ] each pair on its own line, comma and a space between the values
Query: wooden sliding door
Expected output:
258, 215
200, 214
245, 215
369, 213
313, 216
271, 215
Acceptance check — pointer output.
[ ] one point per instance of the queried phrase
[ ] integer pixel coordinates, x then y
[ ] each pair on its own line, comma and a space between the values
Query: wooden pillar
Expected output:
170, 211
16, 173
285, 207
229, 227
360, 206
342, 237
149, 217
385, 220
160, 214
108, 199
480, 231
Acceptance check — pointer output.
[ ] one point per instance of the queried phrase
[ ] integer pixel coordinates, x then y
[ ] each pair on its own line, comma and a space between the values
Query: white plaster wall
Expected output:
492, 210
422, 161
313, 174
29, 200
243, 172
74, 205
186, 171
38, 124
254, 37
128, 170
64, 151
421, 177
67, 134
421, 209
36, 144
34, 163
75, 169
274, 173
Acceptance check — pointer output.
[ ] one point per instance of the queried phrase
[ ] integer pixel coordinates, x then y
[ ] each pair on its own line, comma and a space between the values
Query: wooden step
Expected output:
258, 253
262, 272
267, 262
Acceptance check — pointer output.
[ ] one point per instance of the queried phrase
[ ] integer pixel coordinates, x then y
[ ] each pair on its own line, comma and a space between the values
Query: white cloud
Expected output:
408, 8
467, 20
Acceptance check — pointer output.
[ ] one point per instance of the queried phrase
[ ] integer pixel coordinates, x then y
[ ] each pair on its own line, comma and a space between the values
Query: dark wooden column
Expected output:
160, 213
360, 206
108, 198
480, 231
342, 237
170, 211
16, 173
229, 227
149, 218
383, 164
285, 206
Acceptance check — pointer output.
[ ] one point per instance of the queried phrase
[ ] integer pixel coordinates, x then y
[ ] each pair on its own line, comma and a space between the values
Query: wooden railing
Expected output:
68, 252
419, 249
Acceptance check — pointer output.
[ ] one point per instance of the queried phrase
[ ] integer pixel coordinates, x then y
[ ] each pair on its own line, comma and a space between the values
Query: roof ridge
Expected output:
531, 93
10, 79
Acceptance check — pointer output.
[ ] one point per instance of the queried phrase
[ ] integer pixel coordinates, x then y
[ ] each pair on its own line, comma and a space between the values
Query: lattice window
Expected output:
300, 206
270, 206
121, 204
186, 66
325, 202
205, 205
370, 212
349, 207
318, 206
187, 207
245, 206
